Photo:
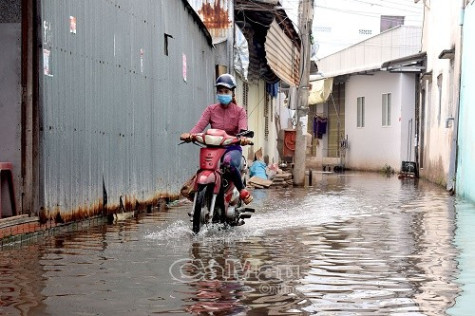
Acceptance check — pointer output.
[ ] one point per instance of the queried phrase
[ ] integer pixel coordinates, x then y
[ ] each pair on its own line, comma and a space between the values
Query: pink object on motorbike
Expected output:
216, 199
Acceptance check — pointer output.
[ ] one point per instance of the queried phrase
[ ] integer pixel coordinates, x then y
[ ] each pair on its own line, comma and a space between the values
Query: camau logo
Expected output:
271, 278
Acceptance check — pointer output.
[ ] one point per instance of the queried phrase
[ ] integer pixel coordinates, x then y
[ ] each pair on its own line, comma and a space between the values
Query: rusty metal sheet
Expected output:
217, 15
117, 78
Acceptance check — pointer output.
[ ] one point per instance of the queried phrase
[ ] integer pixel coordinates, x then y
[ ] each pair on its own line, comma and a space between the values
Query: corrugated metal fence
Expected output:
121, 80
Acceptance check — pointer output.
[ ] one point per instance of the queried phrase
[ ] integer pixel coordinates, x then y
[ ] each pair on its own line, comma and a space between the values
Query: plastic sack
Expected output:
258, 169
187, 190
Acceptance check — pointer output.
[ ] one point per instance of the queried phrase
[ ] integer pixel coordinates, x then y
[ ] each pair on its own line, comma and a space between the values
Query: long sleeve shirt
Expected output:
231, 119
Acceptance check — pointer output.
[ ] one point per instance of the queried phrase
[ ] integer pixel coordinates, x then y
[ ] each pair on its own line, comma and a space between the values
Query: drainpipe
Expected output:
417, 119
419, 98
29, 109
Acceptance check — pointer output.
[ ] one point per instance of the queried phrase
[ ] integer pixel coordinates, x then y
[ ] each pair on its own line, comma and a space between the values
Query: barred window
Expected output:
360, 112
323, 29
386, 110
439, 89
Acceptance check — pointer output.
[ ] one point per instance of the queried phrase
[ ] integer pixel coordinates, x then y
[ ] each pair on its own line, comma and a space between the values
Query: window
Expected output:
390, 21
386, 110
365, 32
360, 112
165, 43
323, 29
439, 88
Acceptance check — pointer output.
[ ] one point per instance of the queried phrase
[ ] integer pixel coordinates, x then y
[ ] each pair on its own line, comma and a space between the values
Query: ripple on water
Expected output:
352, 245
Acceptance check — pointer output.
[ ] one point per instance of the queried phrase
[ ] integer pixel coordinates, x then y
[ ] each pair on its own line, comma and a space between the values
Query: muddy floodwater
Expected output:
352, 244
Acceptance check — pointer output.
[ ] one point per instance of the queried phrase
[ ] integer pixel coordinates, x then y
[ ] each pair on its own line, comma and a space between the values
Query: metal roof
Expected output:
369, 55
274, 44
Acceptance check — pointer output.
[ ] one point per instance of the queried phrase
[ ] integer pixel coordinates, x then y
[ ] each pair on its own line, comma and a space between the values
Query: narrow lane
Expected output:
359, 244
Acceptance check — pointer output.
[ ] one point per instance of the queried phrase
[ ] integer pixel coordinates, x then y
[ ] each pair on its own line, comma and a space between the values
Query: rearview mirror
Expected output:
246, 133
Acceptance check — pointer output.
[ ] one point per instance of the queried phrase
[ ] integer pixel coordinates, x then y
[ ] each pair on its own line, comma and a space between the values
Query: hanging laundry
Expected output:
319, 126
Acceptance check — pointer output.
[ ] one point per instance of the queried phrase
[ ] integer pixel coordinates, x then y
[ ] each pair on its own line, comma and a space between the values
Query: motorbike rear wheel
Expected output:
200, 212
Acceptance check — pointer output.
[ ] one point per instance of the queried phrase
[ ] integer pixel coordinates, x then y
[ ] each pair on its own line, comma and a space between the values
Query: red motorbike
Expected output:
215, 198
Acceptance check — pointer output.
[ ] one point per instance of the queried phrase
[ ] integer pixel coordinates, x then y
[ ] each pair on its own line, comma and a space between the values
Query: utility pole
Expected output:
305, 26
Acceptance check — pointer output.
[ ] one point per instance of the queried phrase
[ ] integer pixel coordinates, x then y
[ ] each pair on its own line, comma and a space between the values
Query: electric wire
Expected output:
252, 4
364, 13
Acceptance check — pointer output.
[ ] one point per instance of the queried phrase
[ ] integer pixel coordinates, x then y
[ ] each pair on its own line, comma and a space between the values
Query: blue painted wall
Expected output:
466, 139
466, 173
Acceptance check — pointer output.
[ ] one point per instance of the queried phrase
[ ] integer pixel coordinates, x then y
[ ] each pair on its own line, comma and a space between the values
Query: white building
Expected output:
370, 111
379, 120
342, 23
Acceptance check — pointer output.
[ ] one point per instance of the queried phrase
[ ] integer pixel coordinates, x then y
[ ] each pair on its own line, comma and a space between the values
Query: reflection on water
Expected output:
21, 280
354, 244
465, 243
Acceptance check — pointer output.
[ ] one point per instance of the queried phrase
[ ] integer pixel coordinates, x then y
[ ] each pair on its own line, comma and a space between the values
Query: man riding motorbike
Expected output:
230, 117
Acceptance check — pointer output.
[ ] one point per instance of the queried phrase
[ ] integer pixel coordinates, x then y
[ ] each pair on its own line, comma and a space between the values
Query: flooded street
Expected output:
353, 244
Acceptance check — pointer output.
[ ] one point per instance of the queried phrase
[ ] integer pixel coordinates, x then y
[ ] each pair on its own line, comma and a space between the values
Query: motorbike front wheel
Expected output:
200, 211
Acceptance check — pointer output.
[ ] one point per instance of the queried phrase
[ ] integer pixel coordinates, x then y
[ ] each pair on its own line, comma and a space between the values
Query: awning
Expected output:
447, 53
274, 45
282, 55
320, 91
414, 63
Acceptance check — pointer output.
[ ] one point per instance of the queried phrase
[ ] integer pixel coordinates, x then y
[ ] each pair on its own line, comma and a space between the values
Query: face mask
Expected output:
224, 99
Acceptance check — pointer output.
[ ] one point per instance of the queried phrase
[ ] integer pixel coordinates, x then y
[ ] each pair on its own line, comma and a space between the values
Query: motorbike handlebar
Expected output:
188, 137
246, 141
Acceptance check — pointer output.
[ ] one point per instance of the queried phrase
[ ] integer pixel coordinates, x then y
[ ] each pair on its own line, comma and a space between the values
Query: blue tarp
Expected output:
258, 169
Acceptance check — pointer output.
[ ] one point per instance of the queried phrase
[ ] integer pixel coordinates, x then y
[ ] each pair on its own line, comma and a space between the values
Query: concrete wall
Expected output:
10, 89
10, 11
441, 31
255, 114
257, 117
373, 146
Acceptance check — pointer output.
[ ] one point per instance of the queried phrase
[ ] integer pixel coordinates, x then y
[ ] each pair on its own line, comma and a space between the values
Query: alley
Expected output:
354, 243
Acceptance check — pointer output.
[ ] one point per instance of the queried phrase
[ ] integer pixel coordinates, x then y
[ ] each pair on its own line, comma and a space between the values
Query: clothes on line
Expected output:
319, 126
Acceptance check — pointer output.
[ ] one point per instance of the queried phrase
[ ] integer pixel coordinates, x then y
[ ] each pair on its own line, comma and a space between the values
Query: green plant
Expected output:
387, 170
